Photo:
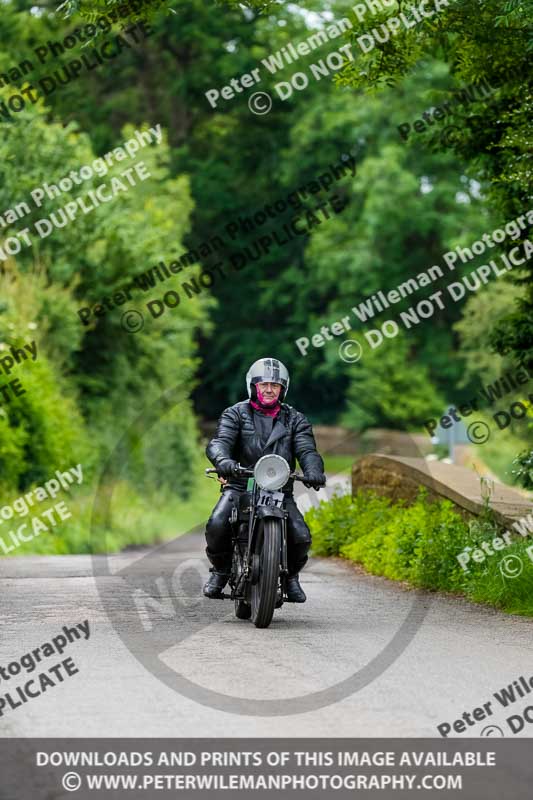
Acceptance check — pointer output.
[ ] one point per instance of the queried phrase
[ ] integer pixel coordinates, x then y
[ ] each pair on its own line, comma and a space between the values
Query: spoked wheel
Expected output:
242, 609
265, 590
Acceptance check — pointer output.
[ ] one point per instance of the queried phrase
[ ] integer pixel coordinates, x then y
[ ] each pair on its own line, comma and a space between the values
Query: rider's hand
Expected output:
313, 480
227, 468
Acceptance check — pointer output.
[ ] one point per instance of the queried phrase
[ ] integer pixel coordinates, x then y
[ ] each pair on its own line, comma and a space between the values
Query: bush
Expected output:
524, 469
419, 544
42, 429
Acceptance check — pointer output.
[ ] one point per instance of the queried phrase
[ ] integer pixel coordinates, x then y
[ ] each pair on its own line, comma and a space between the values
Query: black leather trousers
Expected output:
218, 534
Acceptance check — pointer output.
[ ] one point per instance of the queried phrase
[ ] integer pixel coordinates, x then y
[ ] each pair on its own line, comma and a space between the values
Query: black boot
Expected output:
220, 573
214, 586
295, 593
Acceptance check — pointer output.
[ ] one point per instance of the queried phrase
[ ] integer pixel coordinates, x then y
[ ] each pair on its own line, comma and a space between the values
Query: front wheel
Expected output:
265, 590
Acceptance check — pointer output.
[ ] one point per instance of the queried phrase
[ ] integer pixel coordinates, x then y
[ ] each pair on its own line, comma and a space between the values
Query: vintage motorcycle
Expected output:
259, 540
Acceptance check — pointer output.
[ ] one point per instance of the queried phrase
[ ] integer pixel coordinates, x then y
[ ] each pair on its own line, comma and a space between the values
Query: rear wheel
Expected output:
265, 591
242, 608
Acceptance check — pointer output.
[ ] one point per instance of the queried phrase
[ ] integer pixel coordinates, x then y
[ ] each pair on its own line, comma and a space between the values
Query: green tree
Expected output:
492, 304
391, 389
98, 373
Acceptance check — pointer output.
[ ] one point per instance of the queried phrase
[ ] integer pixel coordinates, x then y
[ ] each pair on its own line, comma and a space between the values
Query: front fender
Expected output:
263, 512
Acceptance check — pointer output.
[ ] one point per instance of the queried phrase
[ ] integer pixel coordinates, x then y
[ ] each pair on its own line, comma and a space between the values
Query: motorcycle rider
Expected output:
245, 432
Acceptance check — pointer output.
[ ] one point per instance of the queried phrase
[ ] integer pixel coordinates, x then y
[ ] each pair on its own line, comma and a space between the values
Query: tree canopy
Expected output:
390, 206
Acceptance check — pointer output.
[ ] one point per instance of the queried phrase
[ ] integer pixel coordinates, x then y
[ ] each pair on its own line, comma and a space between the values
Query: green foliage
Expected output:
493, 303
419, 544
499, 453
495, 134
42, 429
136, 518
90, 383
408, 203
390, 387
401, 213
524, 469
118, 11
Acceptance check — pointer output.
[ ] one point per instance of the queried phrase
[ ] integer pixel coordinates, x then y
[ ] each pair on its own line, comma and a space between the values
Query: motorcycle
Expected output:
259, 541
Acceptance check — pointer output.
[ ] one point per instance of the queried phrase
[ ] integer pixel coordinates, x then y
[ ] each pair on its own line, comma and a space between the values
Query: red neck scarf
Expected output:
269, 409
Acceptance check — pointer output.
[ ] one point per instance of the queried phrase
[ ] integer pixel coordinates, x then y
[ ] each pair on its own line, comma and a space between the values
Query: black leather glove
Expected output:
226, 469
313, 480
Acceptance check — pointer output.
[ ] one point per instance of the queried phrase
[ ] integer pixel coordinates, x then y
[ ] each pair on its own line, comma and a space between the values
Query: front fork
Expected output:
284, 557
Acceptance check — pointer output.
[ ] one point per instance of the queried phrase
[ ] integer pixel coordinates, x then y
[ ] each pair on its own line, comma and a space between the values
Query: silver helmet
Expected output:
267, 370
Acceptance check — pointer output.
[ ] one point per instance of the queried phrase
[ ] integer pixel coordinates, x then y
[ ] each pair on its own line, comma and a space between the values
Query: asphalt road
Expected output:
182, 665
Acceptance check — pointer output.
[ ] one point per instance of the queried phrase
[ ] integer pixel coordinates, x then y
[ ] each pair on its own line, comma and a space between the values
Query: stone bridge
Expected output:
401, 477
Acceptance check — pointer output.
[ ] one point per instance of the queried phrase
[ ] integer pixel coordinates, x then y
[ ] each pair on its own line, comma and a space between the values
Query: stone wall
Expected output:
400, 478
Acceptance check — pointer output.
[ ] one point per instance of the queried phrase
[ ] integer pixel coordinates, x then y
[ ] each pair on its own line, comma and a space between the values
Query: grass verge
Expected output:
135, 520
419, 544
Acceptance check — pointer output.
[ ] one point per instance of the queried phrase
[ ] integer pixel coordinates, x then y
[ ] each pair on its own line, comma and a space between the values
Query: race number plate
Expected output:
267, 498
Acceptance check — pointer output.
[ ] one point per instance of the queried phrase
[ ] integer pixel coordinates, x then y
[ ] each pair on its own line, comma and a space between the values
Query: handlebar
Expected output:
249, 473
246, 473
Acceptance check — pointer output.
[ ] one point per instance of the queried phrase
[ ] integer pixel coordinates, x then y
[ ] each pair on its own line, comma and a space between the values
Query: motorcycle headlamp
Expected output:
271, 472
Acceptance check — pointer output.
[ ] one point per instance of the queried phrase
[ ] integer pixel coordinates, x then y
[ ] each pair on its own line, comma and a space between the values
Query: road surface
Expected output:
450, 656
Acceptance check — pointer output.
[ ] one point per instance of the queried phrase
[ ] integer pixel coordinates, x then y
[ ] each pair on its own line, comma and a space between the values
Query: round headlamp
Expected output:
271, 472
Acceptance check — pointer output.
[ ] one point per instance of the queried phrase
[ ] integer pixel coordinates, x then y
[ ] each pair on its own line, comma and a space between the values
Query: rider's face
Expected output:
270, 391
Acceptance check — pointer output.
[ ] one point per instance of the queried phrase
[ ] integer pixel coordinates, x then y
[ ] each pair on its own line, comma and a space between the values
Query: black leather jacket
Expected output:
238, 438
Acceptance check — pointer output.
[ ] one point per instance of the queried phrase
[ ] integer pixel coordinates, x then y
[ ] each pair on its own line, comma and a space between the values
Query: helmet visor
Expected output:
271, 371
